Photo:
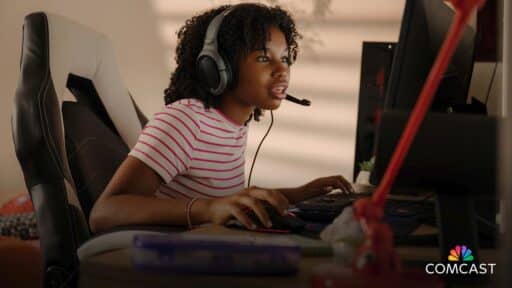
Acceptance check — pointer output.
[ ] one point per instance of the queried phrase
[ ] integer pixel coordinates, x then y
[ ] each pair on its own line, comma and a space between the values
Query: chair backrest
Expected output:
50, 133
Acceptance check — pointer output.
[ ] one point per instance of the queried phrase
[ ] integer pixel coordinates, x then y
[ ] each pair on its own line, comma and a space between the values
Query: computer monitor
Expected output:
375, 68
453, 154
425, 24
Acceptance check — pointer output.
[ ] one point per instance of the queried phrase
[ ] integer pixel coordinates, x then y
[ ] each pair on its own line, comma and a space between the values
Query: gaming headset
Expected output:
212, 69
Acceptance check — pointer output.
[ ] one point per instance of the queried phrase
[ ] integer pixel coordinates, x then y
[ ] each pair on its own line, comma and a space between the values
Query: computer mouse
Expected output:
280, 223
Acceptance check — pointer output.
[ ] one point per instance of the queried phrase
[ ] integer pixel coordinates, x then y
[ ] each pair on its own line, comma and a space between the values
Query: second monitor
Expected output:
425, 24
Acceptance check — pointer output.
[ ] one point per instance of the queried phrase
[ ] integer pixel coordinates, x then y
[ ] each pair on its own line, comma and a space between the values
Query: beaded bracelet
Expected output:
188, 210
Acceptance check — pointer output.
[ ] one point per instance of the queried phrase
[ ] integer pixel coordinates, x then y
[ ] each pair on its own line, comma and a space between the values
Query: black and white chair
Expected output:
70, 148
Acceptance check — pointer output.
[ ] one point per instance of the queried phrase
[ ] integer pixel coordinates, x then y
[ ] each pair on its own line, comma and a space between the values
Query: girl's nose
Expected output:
281, 70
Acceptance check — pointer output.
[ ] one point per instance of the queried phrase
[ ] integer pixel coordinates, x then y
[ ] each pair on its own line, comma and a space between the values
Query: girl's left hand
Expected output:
326, 184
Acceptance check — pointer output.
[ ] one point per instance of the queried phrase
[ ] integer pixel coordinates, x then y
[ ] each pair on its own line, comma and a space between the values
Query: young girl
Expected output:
192, 152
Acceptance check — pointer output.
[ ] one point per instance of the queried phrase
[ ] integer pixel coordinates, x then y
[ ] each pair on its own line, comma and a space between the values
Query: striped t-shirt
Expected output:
197, 152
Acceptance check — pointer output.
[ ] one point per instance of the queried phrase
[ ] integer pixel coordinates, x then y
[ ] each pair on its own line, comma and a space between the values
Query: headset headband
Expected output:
210, 39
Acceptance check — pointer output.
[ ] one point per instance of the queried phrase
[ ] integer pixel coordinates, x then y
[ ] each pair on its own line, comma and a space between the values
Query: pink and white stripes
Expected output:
197, 152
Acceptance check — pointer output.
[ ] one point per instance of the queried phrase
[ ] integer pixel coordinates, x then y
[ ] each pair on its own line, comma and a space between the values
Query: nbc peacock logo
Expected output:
460, 262
460, 253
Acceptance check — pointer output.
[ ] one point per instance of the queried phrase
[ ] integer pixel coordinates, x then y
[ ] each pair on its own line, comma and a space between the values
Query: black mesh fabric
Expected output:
94, 152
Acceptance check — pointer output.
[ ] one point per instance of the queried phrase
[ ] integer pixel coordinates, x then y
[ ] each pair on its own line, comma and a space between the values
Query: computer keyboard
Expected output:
403, 215
326, 207
23, 226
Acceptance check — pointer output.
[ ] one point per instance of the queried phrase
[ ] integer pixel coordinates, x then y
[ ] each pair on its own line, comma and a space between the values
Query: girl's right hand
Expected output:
236, 206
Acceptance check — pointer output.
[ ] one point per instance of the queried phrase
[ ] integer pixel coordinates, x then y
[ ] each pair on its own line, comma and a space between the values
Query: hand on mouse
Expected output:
236, 206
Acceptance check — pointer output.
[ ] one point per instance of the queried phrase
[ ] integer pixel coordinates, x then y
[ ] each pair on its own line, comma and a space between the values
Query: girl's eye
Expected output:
262, 58
286, 60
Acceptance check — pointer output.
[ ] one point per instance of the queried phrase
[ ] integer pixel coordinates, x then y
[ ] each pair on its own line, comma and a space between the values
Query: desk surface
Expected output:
114, 268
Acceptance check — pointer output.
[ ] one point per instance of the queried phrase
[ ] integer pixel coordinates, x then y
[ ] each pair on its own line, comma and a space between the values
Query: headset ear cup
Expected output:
212, 70
208, 73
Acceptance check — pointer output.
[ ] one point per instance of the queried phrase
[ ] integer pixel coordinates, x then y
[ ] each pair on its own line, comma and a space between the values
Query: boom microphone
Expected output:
303, 102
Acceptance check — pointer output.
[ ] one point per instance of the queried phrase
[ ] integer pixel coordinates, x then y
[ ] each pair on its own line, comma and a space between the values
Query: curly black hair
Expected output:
243, 30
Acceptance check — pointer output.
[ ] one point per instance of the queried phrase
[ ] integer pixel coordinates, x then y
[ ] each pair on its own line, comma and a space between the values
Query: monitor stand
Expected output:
456, 222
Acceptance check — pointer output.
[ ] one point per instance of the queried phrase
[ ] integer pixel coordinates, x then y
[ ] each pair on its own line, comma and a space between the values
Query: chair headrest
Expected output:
76, 49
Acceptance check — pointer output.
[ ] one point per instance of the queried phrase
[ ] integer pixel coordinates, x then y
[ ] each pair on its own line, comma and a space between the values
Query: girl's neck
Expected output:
235, 110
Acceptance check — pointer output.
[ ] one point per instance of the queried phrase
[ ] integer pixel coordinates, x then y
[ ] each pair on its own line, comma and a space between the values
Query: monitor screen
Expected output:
425, 24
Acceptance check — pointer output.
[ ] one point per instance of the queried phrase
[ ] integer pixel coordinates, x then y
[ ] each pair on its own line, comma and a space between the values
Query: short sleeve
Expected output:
166, 144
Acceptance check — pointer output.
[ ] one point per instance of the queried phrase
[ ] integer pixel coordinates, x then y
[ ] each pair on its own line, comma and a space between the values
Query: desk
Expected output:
114, 269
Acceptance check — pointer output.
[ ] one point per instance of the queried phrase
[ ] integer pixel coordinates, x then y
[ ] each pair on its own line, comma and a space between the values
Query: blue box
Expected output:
213, 254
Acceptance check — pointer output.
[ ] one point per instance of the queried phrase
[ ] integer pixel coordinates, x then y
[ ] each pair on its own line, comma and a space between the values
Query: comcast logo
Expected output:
461, 253
460, 263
